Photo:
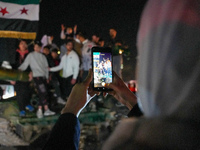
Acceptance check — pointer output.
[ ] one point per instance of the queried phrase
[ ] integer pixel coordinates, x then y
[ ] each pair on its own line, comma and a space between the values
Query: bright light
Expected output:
103, 83
120, 51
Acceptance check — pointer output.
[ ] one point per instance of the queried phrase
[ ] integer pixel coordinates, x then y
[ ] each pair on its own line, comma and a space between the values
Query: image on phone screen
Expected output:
102, 69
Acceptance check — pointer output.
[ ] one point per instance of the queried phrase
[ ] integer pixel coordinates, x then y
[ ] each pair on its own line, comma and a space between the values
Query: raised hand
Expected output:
62, 27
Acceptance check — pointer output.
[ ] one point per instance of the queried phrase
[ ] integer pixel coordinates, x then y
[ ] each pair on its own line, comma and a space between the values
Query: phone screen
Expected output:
102, 69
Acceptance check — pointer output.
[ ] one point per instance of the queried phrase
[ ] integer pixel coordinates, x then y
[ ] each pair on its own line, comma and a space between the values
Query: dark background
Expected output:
94, 16
91, 16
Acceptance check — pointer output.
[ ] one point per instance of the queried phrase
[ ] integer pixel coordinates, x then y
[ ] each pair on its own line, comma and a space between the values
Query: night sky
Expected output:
93, 16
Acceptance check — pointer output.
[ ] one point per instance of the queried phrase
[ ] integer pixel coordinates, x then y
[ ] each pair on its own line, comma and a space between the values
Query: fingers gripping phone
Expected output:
102, 66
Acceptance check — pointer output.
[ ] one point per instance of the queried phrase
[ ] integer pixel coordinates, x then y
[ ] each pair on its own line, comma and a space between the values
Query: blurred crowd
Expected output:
59, 67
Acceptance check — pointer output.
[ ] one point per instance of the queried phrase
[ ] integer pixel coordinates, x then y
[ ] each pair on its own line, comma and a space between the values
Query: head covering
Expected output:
168, 61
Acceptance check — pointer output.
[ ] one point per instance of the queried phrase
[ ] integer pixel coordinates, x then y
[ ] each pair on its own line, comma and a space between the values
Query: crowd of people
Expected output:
168, 78
168, 75
104, 67
60, 68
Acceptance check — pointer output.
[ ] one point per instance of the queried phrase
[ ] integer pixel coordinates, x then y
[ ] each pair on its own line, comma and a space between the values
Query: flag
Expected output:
19, 18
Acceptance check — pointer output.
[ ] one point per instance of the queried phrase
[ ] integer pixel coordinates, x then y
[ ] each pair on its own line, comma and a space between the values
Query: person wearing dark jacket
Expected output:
47, 53
53, 80
23, 89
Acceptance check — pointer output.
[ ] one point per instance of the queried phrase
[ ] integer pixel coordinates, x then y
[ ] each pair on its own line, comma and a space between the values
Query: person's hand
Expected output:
121, 92
91, 92
78, 96
13, 82
75, 28
30, 75
62, 27
73, 81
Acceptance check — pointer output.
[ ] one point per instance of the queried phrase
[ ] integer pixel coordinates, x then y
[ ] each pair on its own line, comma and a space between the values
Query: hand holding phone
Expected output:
102, 67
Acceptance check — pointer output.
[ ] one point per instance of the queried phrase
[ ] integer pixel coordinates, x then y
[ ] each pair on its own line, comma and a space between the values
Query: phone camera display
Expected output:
102, 68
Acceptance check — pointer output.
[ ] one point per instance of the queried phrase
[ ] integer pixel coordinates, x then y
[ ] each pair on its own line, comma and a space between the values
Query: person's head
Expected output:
81, 36
113, 33
46, 50
69, 30
101, 42
54, 53
95, 38
37, 46
22, 45
69, 45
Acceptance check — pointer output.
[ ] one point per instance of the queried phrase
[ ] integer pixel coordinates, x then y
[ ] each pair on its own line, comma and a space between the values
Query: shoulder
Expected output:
30, 54
41, 55
90, 44
74, 53
64, 57
44, 56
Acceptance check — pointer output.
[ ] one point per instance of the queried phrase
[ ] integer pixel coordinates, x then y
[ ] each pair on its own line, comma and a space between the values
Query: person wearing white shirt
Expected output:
70, 66
86, 54
66, 33
100, 66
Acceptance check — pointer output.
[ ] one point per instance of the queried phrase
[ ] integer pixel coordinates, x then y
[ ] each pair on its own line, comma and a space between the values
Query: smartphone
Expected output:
102, 66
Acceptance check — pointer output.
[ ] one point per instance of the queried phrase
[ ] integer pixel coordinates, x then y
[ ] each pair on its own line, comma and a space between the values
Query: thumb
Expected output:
88, 78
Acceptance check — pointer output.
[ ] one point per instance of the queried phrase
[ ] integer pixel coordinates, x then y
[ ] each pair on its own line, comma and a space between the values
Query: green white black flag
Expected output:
19, 18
